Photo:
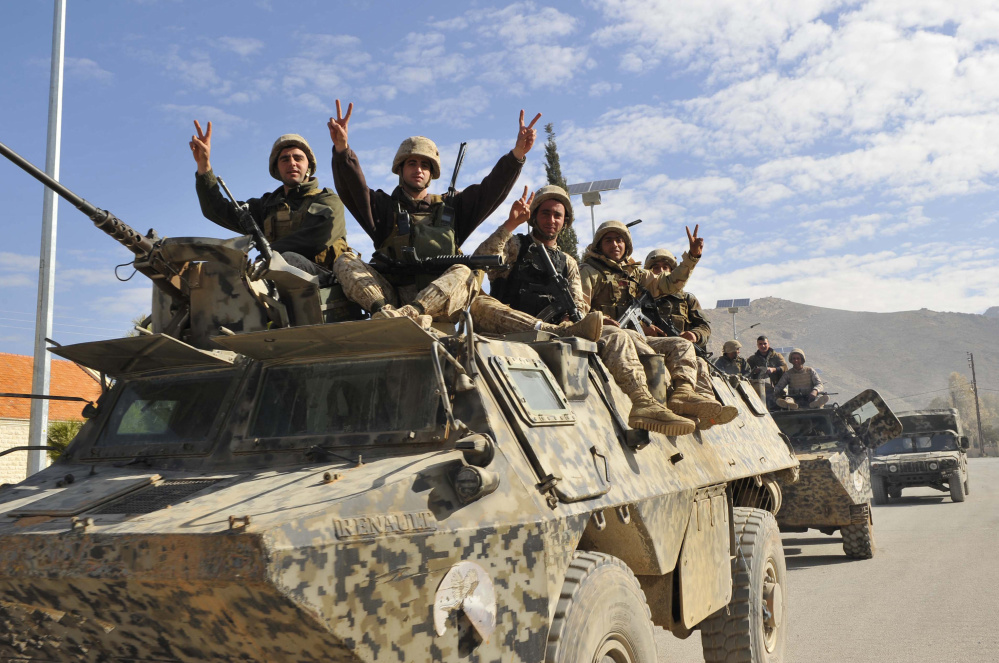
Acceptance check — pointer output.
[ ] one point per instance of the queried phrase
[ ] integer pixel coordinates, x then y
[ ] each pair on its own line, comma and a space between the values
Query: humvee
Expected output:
834, 489
372, 491
930, 451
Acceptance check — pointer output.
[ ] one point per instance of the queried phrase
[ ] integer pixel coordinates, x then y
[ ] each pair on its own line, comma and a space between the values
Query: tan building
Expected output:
15, 377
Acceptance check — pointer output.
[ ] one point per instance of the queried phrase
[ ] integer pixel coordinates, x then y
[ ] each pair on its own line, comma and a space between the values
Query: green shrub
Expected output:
61, 433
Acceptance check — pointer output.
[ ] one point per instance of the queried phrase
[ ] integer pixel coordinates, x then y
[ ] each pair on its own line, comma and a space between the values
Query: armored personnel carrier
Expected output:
370, 491
834, 490
931, 451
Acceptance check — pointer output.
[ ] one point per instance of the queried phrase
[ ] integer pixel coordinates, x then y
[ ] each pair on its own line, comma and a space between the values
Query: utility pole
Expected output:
38, 422
978, 409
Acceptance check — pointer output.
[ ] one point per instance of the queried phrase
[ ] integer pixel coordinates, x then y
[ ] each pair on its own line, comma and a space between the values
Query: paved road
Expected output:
931, 593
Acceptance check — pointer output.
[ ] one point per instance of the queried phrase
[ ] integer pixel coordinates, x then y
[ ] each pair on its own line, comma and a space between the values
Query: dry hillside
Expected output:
900, 354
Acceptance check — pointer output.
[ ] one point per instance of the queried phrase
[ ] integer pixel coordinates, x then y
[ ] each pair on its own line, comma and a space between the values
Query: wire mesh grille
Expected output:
154, 498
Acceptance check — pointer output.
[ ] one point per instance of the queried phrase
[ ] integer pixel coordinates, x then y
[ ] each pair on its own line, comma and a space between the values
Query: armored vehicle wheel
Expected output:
753, 628
894, 493
880, 490
956, 488
858, 540
601, 615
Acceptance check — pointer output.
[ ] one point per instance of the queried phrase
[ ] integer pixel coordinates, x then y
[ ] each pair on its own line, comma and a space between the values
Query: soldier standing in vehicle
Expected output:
302, 222
548, 212
767, 363
730, 362
802, 384
611, 280
412, 217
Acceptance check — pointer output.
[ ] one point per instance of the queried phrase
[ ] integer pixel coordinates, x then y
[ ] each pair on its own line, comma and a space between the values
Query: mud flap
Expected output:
705, 565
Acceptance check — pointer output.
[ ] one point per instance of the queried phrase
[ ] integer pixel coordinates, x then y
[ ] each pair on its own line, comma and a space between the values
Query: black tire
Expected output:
956, 488
601, 615
753, 627
879, 487
895, 493
858, 540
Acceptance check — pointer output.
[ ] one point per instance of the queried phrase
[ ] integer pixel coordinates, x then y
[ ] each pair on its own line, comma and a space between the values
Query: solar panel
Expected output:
599, 185
723, 303
740, 302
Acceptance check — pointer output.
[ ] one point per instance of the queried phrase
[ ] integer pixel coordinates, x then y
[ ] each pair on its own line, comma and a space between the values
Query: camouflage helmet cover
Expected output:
552, 192
418, 146
291, 140
608, 227
664, 255
731, 346
796, 351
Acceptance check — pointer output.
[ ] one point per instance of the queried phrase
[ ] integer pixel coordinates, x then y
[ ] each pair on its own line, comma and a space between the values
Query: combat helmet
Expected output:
552, 192
612, 226
664, 255
291, 140
418, 146
731, 346
797, 351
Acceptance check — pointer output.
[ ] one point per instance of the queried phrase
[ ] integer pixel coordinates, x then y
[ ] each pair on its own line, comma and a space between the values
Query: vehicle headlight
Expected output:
933, 466
949, 462
893, 468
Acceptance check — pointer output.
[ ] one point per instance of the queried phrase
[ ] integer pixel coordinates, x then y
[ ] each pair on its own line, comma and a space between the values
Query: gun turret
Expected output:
202, 285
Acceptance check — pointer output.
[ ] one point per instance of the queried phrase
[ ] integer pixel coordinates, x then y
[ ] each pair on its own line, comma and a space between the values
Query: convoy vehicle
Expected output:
373, 491
834, 491
931, 451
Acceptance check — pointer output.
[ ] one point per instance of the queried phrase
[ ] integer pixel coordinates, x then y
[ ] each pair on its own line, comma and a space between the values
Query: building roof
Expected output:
67, 379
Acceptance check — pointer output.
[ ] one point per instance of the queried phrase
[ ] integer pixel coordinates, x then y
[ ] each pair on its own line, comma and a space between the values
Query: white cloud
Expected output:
223, 123
17, 262
521, 23
243, 46
457, 111
85, 69
603, 87
636, 134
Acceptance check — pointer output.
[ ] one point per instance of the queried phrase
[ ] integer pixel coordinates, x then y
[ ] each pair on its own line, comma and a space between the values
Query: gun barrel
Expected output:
136, 242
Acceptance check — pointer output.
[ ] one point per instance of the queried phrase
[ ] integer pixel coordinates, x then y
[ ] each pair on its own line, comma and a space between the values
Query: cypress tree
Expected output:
567, 241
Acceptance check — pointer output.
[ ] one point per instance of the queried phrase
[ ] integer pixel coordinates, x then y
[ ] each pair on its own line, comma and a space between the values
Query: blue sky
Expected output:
834, 153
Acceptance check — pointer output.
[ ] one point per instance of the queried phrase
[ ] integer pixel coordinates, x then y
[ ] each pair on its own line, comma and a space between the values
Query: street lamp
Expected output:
590, 191
733, 306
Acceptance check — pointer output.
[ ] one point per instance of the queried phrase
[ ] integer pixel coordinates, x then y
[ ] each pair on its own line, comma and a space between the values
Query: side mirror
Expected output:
965, 443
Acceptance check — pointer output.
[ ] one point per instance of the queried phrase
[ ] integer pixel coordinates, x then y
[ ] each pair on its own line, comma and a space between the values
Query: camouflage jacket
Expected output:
772, 359
375, 210
799, 381
499, 244
307, 220
610, 286
685, 312
737, 366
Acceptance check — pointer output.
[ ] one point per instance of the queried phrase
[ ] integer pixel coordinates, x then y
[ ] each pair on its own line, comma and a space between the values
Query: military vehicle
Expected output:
931, 451
834, 490
371, 491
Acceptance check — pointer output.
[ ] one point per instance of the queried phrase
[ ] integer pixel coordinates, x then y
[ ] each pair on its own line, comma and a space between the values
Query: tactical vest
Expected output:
514, 290
676, 308
282, 221
431, 233
613, 292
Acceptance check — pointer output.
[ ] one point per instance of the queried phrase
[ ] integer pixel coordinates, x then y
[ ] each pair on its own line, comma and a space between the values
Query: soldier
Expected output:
412, 217
302, 222
682, 307
767, 363
548, 212
802, 384
611, 280
730, 362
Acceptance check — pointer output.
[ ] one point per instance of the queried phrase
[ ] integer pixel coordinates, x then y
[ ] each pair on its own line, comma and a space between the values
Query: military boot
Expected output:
687, 401
821, 400
589, 327
407, 311
787, 403
649, 414
727, 414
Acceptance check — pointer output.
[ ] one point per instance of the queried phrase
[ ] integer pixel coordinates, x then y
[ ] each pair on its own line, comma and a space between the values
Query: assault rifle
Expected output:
249, 226
452, 190
558, 290
643, 309
412, 264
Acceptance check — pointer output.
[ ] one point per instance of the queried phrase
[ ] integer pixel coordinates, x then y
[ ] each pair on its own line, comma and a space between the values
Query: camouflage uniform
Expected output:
772, 359
619, 351
305, 225
799, 383
610, 286
437, 228
735, 365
